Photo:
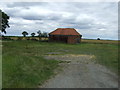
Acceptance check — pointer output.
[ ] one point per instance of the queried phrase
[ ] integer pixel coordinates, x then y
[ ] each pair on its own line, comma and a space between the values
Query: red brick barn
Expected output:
67, 35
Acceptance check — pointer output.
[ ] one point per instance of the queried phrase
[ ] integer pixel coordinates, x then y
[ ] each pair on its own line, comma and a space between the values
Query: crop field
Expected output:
24, 65
25, 38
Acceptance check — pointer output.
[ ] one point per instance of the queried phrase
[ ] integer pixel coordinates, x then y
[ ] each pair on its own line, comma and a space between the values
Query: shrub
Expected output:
98, 38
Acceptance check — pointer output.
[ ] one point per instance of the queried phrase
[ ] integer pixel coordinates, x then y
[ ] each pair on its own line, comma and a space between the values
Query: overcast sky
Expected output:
91, 19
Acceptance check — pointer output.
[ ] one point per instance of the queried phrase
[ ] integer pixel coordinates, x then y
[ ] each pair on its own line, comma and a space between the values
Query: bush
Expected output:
98, 38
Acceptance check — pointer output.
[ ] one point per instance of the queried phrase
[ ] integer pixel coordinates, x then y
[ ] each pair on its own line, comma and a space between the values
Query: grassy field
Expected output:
24, 65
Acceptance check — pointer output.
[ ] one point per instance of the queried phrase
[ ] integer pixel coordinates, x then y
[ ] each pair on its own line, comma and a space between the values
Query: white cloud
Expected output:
21, 21
91, 19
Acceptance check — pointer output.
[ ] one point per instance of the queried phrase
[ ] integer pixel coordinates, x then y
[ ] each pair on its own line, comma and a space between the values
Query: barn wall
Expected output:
67, 39
57, 38
74, 39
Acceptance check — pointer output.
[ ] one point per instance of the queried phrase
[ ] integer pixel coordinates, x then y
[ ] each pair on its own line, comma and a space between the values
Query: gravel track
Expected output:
81, 72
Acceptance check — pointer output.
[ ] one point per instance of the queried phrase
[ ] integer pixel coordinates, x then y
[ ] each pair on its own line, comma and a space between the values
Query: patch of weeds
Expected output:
64, 61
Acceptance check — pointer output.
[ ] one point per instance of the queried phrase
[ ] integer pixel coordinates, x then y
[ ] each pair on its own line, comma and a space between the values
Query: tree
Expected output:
39, 34
24, 33
44, 34
32, 34
4, 19
98, 38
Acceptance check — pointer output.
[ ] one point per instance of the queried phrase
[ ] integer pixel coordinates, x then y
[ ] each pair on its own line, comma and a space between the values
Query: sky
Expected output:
91, 19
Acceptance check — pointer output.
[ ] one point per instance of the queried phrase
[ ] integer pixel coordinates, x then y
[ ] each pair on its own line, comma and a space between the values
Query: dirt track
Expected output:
81, 72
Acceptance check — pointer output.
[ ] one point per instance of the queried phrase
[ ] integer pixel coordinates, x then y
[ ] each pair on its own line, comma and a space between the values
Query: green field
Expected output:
24, 65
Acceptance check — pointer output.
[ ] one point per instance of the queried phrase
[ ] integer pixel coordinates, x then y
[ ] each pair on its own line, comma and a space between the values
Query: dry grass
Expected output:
25, 38
100, 41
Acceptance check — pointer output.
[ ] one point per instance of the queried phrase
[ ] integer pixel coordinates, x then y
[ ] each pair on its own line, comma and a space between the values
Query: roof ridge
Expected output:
65, 31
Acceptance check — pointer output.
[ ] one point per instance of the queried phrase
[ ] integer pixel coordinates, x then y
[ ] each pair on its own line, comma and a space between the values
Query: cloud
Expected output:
91, 19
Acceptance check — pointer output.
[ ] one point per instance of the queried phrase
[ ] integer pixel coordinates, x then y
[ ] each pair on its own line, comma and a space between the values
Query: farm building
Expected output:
67, 35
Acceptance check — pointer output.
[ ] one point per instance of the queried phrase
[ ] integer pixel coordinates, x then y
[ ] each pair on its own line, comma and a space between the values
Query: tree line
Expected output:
40, 34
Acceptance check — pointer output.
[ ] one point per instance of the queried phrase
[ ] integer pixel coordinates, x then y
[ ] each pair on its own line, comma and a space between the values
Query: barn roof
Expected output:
64, 31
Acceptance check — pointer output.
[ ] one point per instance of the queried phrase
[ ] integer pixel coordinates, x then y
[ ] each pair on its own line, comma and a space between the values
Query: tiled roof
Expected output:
64, 31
